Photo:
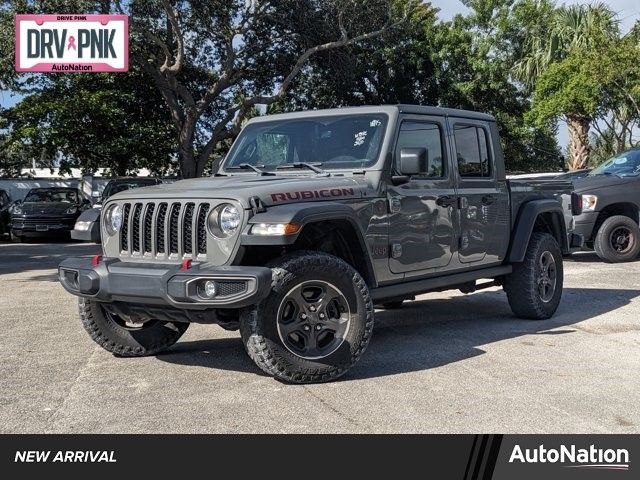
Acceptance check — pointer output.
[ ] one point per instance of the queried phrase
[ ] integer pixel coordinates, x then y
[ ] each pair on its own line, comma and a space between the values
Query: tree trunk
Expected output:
578, 141
186, 154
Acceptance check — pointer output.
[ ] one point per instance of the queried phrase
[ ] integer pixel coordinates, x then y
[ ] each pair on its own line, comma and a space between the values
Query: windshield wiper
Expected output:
310, 166
247, 166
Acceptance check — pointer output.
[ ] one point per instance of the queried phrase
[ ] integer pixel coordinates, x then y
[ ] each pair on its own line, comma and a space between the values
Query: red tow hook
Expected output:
95, 261
186, 265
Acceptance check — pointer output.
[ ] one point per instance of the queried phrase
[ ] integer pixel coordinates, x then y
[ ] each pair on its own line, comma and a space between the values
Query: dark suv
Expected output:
314, 217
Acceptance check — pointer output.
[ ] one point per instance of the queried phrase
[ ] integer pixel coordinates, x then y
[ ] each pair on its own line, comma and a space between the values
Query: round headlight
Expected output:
229, 219
113, 219
224, 220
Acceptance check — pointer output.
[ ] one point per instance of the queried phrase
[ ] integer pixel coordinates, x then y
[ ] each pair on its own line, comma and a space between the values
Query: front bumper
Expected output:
112, 280
584, 225
42, 226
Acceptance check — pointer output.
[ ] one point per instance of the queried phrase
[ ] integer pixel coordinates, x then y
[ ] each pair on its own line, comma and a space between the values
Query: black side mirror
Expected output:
413, 161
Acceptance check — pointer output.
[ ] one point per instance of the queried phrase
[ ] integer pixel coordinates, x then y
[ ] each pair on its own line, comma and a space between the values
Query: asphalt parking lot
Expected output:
446, 363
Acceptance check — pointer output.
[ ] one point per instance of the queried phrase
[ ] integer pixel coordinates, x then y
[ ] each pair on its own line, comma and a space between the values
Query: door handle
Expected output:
488, 199
446, 201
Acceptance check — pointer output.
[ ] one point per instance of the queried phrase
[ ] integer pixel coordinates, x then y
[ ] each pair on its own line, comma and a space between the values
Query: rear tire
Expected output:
110, 332
315, 324
534, 288
618, 240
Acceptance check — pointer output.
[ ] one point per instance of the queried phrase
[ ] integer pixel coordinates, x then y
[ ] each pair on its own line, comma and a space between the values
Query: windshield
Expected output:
118, 186
626, 164
335, 142
64, 195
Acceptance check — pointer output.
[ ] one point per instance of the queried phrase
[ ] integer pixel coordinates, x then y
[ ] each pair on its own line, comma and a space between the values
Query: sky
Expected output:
628, 12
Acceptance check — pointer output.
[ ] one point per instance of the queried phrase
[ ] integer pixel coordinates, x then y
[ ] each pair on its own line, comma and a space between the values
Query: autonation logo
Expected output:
574, 457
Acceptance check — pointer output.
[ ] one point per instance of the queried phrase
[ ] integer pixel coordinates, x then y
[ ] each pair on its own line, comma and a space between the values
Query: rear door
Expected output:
422, 211
483, 195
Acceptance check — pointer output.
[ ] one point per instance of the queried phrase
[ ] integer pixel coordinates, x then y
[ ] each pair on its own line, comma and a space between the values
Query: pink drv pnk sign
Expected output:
72, 43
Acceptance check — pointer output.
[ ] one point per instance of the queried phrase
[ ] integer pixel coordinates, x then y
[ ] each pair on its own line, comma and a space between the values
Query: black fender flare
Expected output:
525, 222
305, 214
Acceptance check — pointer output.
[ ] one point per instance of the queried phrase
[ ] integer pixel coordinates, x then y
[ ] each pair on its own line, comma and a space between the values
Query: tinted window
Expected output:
424, 135
472, 151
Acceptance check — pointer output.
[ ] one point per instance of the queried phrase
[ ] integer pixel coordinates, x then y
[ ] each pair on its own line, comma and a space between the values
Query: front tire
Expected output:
315, 324
534, 288
16, 238
111, 332
618, 240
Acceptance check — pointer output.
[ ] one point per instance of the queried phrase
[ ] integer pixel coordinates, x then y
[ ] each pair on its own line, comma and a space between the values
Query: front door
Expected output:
422, 211
483, 200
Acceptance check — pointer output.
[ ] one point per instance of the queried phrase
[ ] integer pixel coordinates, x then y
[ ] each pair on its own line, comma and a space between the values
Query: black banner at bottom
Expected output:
460, 457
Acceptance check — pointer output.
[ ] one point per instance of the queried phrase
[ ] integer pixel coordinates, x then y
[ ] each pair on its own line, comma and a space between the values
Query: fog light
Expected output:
207, 289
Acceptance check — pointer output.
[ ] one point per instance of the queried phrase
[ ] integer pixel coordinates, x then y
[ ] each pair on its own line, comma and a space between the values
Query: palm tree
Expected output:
573, 27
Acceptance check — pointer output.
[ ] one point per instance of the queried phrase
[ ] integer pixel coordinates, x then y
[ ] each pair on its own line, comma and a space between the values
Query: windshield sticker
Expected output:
375, 123
360, 138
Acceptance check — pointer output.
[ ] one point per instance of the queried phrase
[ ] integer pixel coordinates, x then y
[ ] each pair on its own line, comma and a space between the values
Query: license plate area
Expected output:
42, 228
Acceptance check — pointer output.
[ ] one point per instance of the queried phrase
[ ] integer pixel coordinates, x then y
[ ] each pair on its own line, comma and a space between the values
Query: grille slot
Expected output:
148, 220
187, 230
173, 228
201, 237
135, 228
162, 216
124, 235
164, 229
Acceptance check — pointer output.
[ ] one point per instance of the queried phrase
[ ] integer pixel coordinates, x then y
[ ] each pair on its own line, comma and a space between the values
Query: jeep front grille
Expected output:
164, 229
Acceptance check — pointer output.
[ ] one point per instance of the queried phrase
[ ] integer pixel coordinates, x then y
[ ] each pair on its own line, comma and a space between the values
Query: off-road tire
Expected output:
259, 330
522, 285
115, 338
604, 247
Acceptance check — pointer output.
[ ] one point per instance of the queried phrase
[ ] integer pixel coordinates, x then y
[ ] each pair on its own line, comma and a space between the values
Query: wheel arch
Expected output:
544, 216
328, 227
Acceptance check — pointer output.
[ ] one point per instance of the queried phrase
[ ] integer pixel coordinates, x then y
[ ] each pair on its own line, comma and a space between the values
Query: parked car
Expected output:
87, 227
611, 202
46, 211
311, 219
5, 216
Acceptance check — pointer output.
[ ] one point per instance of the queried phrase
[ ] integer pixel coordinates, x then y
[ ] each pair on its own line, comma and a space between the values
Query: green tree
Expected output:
568, 90
573, 28
247, 54
115, 121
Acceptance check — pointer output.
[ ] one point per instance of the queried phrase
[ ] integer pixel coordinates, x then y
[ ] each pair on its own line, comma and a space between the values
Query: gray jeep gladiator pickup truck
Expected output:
314, 217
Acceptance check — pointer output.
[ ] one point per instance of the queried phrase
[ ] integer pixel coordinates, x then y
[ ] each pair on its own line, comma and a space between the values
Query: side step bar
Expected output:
418, 287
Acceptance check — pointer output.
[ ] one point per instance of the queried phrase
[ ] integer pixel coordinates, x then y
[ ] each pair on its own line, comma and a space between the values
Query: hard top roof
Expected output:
372, 109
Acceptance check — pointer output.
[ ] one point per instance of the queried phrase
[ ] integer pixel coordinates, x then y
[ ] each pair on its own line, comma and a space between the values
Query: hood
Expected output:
272, 190
45, 208
589, 183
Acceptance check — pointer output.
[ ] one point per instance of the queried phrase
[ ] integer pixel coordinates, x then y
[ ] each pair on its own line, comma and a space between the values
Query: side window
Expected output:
472, 151
424, 135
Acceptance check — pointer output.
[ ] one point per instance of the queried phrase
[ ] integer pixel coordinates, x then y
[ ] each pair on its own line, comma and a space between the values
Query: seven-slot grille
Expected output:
164, 229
